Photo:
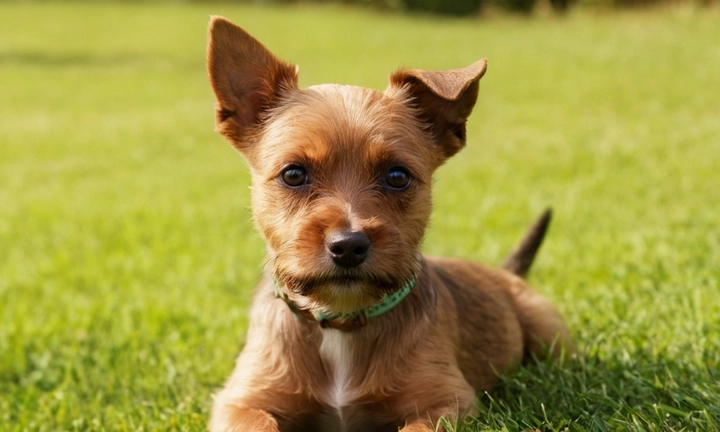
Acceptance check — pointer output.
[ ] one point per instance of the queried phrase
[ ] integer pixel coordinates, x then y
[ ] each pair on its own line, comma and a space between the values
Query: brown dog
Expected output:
352, 329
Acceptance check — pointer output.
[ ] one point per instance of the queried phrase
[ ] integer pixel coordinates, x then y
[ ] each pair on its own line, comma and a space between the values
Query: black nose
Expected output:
348, 249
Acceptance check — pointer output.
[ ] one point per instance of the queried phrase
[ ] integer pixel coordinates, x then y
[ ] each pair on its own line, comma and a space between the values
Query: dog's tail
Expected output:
522, 257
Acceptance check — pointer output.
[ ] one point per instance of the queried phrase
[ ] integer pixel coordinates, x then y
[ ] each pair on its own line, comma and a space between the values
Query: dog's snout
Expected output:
348, 248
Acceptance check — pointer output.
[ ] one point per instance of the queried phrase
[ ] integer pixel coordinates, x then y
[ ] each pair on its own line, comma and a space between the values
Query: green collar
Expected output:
350, 320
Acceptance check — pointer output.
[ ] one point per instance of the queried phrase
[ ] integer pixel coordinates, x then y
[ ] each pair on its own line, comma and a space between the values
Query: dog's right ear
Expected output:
444, 100
246, 78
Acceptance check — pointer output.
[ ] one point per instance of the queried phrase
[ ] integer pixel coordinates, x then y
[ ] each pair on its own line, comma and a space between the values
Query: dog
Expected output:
352, 329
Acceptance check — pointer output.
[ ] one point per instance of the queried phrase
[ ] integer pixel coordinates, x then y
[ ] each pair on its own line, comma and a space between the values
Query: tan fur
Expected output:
462, 323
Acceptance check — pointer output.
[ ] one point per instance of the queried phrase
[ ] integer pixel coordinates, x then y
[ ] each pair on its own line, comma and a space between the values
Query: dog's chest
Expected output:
338, 352
348, 393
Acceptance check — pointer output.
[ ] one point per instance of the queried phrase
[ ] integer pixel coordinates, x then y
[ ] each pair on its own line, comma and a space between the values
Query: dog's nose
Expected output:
347, 248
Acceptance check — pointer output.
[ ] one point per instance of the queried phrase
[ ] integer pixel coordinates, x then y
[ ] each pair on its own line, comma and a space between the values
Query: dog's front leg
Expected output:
236, 419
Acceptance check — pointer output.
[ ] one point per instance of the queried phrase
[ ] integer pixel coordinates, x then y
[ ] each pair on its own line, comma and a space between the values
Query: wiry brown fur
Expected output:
461, 324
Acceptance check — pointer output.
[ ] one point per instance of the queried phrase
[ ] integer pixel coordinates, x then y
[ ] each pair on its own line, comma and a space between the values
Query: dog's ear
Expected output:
444, 100
246, 78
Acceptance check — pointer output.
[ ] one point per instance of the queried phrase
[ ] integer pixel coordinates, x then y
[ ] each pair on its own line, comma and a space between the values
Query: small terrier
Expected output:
352, 330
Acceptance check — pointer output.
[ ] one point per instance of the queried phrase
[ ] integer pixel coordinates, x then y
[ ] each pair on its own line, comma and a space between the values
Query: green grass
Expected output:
127, 255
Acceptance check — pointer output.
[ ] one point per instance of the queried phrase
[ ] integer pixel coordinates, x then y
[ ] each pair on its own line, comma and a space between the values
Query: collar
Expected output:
351, 320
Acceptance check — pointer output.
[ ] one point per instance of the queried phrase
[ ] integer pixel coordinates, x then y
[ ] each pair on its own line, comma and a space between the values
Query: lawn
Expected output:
127, 254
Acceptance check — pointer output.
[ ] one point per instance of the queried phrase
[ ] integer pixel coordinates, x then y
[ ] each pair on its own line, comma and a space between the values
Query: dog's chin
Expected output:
344, 282
344, 292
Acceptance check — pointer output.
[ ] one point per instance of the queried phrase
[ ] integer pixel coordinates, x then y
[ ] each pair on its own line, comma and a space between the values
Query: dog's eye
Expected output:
294, 176
397, 178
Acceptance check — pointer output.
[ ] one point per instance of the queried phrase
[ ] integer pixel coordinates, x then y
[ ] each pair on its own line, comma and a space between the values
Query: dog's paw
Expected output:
418, 426
234, 419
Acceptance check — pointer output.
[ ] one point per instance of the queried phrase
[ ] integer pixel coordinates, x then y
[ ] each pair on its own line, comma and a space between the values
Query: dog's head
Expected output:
341, 175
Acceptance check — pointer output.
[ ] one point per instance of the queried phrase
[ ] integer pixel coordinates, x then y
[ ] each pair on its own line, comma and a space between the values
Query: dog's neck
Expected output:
352, 320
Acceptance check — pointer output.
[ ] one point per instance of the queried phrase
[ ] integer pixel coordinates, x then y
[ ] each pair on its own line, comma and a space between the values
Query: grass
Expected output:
127, 254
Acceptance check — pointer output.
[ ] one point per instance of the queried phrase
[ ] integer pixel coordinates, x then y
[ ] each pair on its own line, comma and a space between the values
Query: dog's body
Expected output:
353, 330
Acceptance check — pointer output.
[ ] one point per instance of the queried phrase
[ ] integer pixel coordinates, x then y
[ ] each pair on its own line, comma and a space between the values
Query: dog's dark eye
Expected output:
294, 176
397, 178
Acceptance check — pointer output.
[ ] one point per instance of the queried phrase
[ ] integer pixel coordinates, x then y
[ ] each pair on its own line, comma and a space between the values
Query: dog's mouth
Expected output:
379, 285
336, 290
344, 280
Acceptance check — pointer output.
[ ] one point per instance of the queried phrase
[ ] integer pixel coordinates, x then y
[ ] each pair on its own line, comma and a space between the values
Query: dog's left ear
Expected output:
444, 100
247, 79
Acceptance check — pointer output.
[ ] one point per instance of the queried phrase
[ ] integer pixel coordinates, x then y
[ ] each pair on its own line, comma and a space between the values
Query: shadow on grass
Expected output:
51, 60
593, 395
45, 59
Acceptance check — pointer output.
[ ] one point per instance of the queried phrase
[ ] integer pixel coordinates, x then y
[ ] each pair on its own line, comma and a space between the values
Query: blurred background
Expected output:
460, 8
128, 255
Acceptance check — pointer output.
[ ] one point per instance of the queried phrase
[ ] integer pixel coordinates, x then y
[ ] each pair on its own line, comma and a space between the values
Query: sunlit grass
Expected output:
127, 254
